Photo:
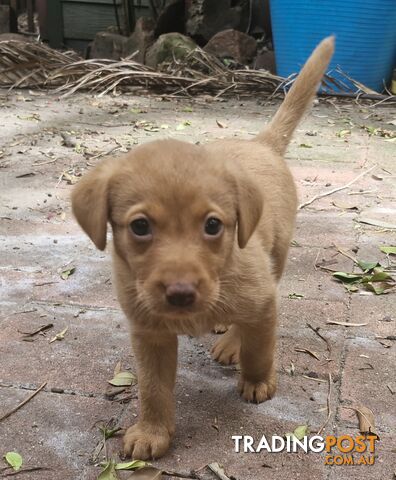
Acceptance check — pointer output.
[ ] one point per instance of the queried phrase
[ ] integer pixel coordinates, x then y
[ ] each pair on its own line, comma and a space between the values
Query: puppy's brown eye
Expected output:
213, 226
140, 227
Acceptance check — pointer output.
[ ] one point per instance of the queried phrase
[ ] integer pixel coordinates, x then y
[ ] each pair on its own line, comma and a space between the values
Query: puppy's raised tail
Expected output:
279, 131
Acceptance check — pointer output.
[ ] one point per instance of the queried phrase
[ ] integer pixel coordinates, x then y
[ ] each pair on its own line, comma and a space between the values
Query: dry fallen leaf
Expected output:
376, 223
346, 324
309, 352
218, 470
366, 420
59, 336
123, 379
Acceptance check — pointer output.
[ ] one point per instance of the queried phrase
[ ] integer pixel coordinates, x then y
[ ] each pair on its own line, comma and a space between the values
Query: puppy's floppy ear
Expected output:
90, 203
249, 208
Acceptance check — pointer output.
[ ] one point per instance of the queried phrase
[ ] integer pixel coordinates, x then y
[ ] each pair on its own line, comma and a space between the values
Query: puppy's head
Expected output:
174, 212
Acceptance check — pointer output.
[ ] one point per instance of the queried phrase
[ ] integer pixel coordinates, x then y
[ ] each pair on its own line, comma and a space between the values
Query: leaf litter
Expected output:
373, 276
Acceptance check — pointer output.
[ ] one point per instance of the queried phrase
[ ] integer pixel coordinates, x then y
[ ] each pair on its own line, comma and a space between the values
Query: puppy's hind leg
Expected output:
258, 378
226, 349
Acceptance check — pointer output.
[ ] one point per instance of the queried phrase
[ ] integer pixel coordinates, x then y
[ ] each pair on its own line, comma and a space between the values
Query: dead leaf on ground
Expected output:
309, 352
376, 223
221, 124
123, 379
32, 117
59, 336
70, 178
366, 419
218, 470
346, 324
346, 206
290, 370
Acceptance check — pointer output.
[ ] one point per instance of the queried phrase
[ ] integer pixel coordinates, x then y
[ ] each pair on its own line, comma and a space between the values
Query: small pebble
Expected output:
57, 390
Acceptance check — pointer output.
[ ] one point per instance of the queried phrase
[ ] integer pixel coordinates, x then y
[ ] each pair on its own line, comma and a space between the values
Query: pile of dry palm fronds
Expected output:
34, 64
28, 64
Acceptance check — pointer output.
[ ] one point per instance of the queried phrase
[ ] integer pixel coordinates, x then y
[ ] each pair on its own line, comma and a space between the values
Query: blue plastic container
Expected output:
365, 33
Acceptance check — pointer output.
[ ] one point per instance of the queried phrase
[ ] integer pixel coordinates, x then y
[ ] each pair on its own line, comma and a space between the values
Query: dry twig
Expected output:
334, 190
316, 330
329, 412
6, 415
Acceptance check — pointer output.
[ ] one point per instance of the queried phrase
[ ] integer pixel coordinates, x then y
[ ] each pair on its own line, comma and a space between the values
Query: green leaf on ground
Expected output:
65, 274
14, 460
108, 472
183, 125
108, 432
343, 133
389, 250
367, 266
305, 145
123, 379
348, 277
300, 432
133, 465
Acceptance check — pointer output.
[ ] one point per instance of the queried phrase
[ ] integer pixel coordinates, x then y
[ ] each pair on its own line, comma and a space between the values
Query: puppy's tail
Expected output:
279, 131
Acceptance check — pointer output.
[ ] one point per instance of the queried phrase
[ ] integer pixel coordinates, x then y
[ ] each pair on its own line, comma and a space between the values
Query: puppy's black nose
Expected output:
180, 294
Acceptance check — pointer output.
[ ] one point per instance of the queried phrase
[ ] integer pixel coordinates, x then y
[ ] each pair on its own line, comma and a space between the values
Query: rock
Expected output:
265, 60
141, 39
108, 45
168, 47
4, 18
232, 44
204, 18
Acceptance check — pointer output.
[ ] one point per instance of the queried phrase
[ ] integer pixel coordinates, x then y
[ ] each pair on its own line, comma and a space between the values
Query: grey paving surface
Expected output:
58, 429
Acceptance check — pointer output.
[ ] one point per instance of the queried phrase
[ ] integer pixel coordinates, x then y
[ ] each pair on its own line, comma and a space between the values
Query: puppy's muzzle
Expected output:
181, 294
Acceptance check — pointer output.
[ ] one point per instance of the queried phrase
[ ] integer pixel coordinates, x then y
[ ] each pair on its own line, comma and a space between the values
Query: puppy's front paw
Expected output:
142, 441
257, 392
226, 349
